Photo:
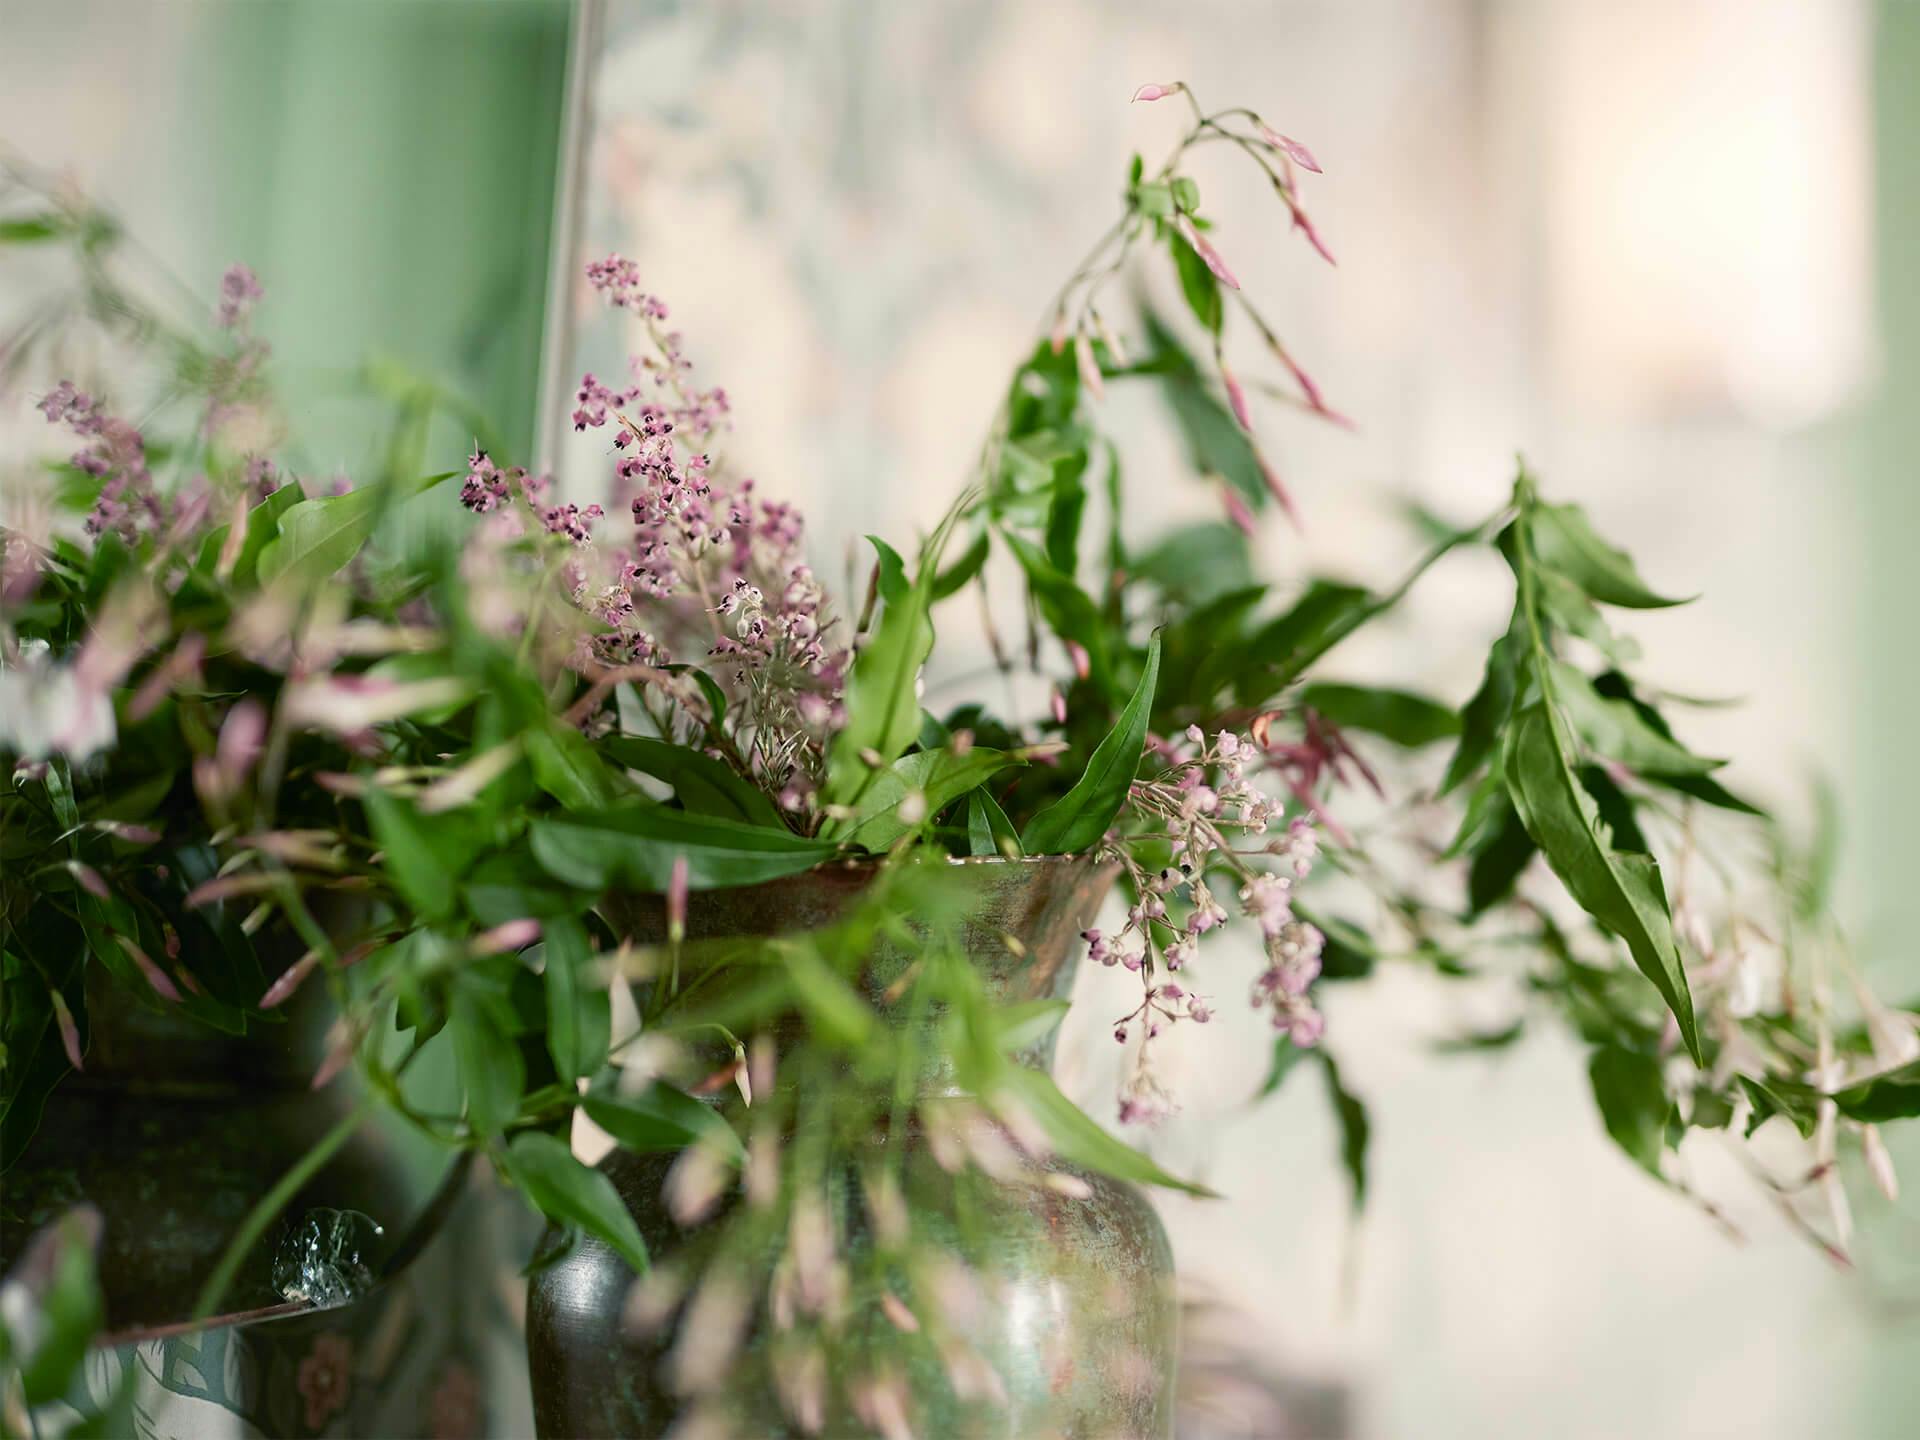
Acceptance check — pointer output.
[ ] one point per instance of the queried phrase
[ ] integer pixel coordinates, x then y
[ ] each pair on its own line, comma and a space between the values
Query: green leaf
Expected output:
1076, 821
1498, 861
1326, 613
569, 1193
31, 229
1633, 1102
1197, 284
1397, 715
989, 831
417, 854
834, 1010
1199, 565
970, 563
893, 571
1186, 194
1155, 197
1021, 1026
704, 785
1286, 1055
1894, 1095
1068, 610
1564, 542
1351, 1117
659, 1118
1623, 892
1077, 1140
566, 767
939, 776
491, 1070
579, 1010
883, 712
1617, 730
319, 537
1216, 445
636, 845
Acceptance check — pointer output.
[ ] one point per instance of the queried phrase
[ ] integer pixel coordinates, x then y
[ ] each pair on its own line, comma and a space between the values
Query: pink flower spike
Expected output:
677, 900
1089, 367
69, 1032
1237, 398
156, 977
1206, 252
1237, 510
1156, 92
1291, 148
290, 980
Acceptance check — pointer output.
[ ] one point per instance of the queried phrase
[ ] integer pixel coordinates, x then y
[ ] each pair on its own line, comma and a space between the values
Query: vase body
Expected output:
1079, 1321
173, 1133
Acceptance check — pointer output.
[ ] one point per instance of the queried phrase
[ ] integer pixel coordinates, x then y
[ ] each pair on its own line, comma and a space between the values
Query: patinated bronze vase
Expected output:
1081, 1329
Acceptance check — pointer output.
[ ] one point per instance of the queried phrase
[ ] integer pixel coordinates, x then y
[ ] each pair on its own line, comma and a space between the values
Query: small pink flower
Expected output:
326, 1377
1206, 252
1156, 92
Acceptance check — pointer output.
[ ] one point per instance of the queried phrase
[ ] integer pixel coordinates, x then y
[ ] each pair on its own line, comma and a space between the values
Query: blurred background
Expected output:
1659, 246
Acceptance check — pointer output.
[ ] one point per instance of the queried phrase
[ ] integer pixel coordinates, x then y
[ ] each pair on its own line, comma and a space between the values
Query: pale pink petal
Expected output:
290, 980
1157, 92
1089, 367
156, 977
69, 1032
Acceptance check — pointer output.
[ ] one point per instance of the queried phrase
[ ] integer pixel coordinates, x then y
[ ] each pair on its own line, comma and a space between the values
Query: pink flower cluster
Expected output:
115, 454
1203, 793
487, 486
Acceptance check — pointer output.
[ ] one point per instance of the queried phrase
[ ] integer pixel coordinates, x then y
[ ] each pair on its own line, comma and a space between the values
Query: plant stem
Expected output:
269, 1208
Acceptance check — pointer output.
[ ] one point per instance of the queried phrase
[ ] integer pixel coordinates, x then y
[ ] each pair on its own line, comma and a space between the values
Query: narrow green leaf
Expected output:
31, 229
1633, 1102
1894, 1095
419, 867
1076, 821
491, 1070
883, 712
659, 1118
1023, 1025
1623, 892
1077, 1140
635, 845
569, 1193
1355, 1130
320, 536
1498, 861
1197, 284
1564, 541
704, 785
566, 767
835, 1011
1326, 613
579, 1010
1068, 610
989, 831
939, 777
970, 563
1398, 715
893, 571
1617, 730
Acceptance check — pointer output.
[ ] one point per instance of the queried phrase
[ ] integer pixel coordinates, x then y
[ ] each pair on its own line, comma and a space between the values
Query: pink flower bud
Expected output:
1089, 367
514, 935
1237, 510
124, 830
343, 1042
1304, 224
156, 977
1879, 1161
89, 879
290, 980
1206, 252
1077, 653
1058, 704
1292, 149
1156, 92
677, 901
1237, 398
1278, 490
895, 1309
69, 1032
